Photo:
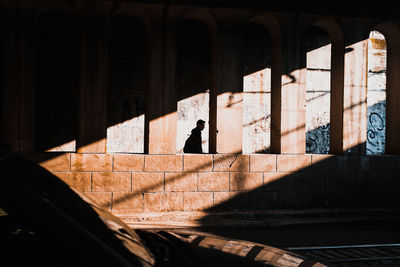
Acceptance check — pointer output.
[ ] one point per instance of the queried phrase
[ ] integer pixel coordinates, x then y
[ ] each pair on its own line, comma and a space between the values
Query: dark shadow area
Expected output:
2, 83
192, 78
46, 223
193, 59
317, 38
336, 182
359, 182
317, 234
256, 63
57, 69
256, 50
50, 224
127, 69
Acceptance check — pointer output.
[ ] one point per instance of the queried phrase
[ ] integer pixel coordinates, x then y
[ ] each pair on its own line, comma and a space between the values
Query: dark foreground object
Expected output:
44, 222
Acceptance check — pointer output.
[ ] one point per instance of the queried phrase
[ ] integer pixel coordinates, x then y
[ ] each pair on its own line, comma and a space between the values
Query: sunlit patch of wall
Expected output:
256, 90
376, 94
318, 92
127, 85
192, 80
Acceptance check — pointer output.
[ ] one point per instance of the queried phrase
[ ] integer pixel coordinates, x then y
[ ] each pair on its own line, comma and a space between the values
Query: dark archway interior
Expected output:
57, 69
127, 69
193, 59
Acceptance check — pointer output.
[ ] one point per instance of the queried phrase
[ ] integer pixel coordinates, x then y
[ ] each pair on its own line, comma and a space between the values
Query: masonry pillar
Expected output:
93, 86
392, 36
276, 94
9, 76
336, 115
19, 94
355, 94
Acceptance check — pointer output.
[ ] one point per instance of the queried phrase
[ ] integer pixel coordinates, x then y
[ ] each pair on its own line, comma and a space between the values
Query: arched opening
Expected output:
256, 72
376, 94
192, 80
57, 68
127, 52
318, 91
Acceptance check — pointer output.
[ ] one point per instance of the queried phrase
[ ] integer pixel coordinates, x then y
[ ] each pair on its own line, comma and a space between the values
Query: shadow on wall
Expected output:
57, 61
292, 182
38, 203
333, 182
57, 125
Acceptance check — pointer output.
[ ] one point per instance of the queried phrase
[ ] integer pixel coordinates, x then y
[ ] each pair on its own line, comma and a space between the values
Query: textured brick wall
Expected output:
128, 184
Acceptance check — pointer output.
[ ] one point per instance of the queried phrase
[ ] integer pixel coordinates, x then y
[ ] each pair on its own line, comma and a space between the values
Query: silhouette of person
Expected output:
193, 143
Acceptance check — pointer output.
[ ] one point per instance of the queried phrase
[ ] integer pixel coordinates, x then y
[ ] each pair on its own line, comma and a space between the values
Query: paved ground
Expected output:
326, 234
336, 244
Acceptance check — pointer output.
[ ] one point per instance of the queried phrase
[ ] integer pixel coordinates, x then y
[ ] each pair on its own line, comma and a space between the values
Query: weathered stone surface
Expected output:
263, 163
197, 162
81, 181
101, 198
163, 163
148, 182
128, 162
171, 201
111, 181
127, 202
213, 181
91, 162
242, 181
51, 161
293, 162
181, 181
193, 201
231, 162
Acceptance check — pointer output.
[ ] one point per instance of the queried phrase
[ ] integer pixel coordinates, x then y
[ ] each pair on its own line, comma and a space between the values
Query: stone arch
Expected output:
391, 33
135, 11
204, 17
59, 6
270, 22
332, 27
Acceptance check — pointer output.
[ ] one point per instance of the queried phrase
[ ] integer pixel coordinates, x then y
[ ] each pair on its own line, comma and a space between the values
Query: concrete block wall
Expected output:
137, 185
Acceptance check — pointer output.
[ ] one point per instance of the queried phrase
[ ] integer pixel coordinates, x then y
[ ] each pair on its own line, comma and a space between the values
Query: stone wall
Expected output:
262, 80
142, 187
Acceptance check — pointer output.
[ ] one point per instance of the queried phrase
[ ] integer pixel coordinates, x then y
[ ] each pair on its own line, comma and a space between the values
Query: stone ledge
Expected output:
262, 218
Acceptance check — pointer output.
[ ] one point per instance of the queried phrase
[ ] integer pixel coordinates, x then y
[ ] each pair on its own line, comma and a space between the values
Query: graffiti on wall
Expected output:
318, 96
376, 94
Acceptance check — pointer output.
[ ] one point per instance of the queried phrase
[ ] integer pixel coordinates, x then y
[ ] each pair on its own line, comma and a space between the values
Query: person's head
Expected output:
200, 124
